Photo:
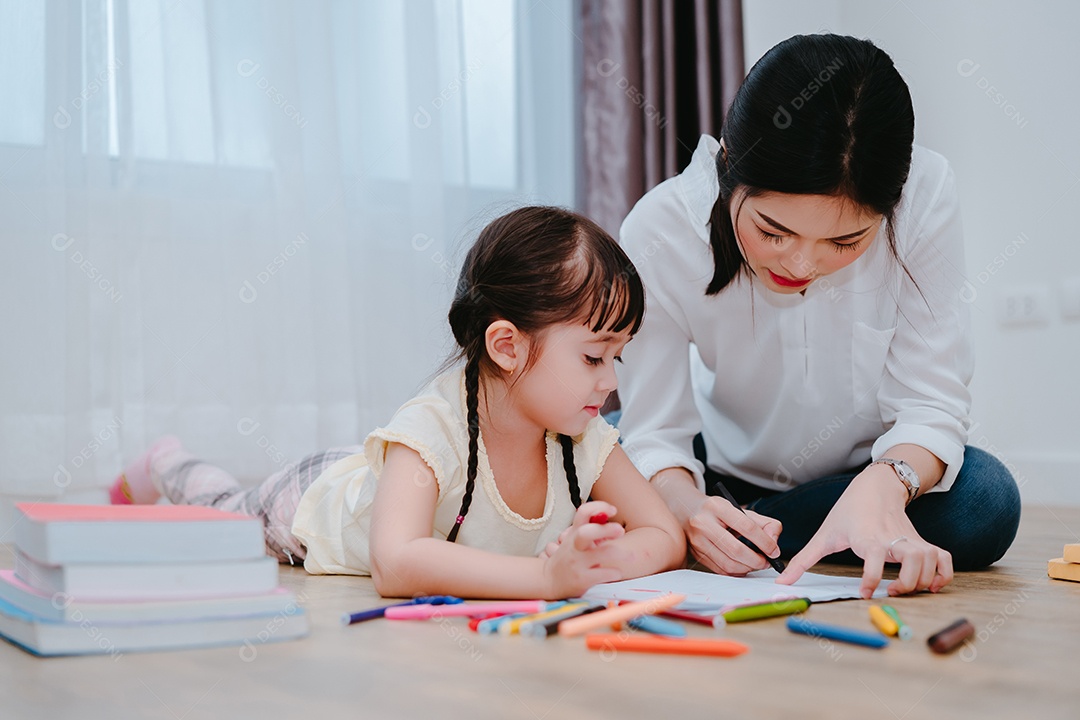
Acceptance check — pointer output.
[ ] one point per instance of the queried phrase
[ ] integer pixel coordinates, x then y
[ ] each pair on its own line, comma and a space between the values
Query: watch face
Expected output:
909, 474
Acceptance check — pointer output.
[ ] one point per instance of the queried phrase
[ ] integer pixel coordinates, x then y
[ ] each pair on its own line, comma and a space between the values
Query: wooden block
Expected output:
1072, 553
1062, 570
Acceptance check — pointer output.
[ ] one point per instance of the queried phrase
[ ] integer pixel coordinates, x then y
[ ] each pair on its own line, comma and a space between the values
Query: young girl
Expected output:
476, 486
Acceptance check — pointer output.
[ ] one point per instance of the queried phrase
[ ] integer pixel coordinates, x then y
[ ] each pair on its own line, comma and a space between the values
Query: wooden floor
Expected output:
1023, 663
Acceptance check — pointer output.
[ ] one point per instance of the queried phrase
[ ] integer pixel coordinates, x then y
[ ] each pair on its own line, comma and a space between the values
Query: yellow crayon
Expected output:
882, 621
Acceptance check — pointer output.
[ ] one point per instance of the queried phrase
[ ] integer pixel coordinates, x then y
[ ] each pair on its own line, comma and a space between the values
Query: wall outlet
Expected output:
1028, 305
1070, 298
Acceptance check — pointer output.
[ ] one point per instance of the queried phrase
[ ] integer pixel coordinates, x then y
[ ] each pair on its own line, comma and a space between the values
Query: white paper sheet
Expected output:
707, 592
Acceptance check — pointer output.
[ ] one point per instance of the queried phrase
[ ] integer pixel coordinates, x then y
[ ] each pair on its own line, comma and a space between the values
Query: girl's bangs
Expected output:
616, 298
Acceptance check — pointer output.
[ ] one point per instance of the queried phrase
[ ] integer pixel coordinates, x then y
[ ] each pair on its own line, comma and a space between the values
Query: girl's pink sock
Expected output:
134, 485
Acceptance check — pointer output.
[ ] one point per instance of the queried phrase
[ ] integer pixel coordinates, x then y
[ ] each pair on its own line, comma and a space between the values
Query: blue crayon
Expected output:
802, 626
352, 618
657, 626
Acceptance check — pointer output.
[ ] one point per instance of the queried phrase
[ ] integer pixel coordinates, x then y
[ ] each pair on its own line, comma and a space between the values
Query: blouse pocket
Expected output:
869, 350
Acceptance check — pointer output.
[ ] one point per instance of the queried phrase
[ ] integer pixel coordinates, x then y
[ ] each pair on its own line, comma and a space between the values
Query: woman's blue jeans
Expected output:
975, 520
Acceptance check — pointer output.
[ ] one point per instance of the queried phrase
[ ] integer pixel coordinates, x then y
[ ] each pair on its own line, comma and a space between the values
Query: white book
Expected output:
149, 581
707, 593
62, 607
42, 637
55, 534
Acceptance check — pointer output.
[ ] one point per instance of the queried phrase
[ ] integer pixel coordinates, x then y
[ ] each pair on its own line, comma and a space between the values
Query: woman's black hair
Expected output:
816, 115
536, 267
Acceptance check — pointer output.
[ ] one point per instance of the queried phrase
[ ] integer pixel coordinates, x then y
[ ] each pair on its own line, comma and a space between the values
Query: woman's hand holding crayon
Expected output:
713, 533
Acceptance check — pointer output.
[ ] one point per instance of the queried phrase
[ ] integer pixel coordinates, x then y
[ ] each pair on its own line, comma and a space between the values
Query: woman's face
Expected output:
791, 240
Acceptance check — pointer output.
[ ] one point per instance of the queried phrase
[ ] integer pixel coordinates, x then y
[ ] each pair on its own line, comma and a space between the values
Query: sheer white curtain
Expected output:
240, 222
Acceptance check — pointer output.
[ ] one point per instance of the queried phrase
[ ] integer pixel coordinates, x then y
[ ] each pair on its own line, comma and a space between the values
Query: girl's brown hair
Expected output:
536, 267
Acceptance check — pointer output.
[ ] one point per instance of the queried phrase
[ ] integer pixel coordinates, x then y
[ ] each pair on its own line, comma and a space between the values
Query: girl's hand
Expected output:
712, 533
868, 518
582, 517
584, 557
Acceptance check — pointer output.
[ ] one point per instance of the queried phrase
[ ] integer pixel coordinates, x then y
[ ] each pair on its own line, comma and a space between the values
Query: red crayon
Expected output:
474, 624
684, 615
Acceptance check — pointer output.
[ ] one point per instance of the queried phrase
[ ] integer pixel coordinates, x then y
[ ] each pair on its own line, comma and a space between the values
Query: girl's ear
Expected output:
506, 346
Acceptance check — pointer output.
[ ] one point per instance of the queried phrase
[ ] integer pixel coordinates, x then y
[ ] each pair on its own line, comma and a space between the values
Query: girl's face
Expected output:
791, 240
571, 378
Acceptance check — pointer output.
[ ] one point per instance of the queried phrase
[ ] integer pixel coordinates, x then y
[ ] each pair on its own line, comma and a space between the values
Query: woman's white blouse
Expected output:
788, 388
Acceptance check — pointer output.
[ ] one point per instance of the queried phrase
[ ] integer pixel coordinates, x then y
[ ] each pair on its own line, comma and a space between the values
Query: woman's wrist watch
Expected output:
906, 473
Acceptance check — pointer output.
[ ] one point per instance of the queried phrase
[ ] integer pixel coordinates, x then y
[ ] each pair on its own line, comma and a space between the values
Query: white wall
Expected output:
995, 91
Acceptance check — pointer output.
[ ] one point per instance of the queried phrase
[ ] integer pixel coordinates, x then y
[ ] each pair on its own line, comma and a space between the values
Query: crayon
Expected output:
757, 611
776, 563
513, 627
951, 637
474, 623
579, 625
904, 631
710, 620
544, 628
883, 621
425, 612
616, 626
671, 646
803, 626
363, 615
657, 626
492, 623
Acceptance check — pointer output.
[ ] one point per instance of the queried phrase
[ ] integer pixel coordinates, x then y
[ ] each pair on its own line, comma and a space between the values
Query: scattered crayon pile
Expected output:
572, 618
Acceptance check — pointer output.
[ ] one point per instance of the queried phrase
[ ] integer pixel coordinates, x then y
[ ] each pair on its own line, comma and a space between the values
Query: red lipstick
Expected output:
788, 282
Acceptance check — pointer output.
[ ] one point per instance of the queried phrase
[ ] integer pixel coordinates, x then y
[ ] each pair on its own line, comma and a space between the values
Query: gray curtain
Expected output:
655, 75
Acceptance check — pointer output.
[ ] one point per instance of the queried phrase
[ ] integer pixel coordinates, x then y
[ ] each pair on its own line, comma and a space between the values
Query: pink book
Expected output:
54, 534
56, 512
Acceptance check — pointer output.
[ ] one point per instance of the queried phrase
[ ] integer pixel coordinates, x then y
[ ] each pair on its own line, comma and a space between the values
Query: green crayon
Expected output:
765, 610
903, 630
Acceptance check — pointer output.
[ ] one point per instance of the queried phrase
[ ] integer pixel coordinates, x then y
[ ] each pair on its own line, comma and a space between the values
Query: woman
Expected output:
802, 280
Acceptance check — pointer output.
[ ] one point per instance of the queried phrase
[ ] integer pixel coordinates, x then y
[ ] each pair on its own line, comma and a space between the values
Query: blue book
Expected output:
43, 637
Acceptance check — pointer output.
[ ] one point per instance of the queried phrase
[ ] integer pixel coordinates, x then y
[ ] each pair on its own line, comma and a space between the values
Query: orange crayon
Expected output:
665, 645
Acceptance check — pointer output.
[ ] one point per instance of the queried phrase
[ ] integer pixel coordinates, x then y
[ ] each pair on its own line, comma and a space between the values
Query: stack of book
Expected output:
110, 579
1066, 567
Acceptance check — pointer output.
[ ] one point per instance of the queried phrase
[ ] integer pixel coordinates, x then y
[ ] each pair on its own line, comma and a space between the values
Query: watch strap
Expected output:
905, 473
